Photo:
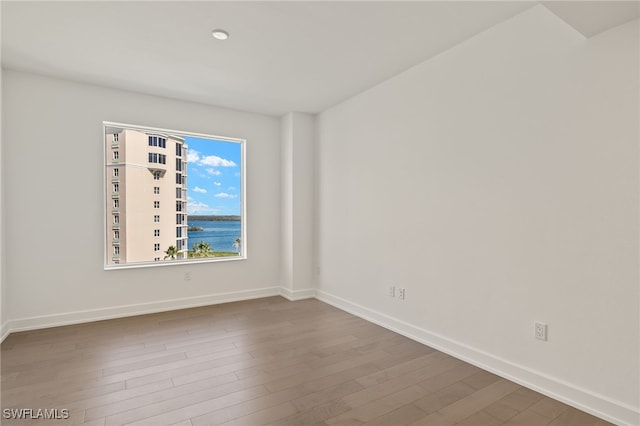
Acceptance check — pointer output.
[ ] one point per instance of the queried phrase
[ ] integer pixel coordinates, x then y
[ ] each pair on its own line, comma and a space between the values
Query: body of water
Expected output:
220, 235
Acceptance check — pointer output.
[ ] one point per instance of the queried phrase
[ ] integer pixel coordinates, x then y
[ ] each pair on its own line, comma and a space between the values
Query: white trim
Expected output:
4, 331
294, 295
56, 320
583, 399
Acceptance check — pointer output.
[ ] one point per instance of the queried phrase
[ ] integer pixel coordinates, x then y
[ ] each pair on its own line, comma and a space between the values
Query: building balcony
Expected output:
115, 178
160, 168
115, 226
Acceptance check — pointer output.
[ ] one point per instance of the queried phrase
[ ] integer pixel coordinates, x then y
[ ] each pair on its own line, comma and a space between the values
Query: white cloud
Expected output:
200, 208
200, 190
214, 172
193, 156
232, 188
225, 195
215, 161
217, 183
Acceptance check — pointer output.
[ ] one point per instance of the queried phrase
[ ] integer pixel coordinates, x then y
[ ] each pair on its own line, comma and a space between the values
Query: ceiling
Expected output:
280, 57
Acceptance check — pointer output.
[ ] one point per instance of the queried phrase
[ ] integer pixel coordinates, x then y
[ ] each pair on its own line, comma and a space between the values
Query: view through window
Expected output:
172, 196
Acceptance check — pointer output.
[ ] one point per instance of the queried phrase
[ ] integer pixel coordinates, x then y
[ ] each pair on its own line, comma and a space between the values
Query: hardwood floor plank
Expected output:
212, 398
437, 365
528, 418
211, 388
315, 415
402, 416
378, 407
263, 361
228, 414
263, 417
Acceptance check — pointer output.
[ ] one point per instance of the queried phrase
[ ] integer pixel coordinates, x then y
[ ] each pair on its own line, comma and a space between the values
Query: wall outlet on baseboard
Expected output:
401, 293
540, 331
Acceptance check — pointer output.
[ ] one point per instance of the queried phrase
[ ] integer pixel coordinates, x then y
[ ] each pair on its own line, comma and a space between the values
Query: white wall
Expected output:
3, 327
498, 184
54, 208
298, 196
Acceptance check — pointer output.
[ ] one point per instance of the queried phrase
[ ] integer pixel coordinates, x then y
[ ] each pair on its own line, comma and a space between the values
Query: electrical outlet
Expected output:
401, 293
187, 276
540, 331
392, 291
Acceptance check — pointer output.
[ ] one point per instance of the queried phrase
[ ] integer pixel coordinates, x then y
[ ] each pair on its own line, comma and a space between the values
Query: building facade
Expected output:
146, 188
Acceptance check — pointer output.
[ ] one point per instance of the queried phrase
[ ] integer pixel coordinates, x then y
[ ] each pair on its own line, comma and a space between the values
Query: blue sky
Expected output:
214, 177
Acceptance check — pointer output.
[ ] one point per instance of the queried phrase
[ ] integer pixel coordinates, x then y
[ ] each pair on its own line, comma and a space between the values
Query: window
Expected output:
209, 202
115, 137
157, 141
116, 250
154, 157
116, 155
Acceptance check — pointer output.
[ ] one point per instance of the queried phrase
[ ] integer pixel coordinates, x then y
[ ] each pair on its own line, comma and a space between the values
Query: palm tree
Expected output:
171, 252
201, 249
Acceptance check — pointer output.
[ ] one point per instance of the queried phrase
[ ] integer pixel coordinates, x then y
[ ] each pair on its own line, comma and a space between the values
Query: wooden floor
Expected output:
266, 361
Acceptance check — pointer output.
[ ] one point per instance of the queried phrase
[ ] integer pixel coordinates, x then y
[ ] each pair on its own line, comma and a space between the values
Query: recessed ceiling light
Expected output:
220, 34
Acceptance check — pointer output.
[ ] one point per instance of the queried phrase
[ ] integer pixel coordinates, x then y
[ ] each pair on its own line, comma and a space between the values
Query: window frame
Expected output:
107, 162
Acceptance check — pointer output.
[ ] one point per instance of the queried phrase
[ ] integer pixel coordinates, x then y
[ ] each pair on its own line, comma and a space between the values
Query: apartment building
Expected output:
146, 190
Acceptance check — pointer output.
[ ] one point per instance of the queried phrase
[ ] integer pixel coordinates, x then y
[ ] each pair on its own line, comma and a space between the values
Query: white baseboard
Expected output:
46, 321
598, 405
4, 331
297, 294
